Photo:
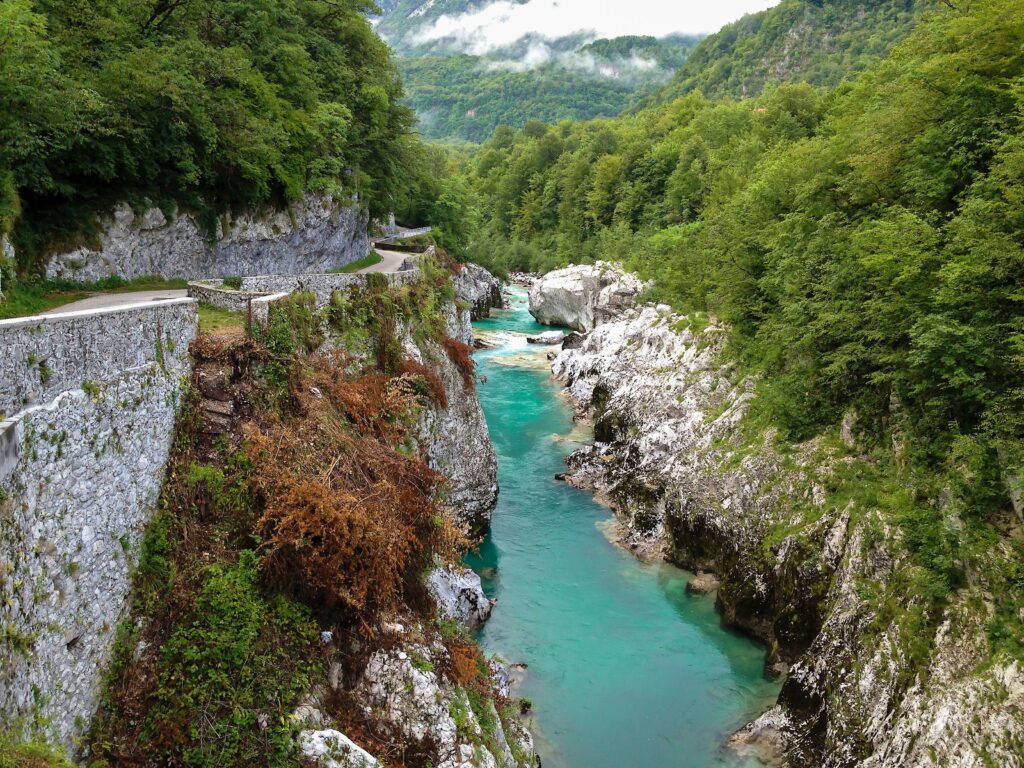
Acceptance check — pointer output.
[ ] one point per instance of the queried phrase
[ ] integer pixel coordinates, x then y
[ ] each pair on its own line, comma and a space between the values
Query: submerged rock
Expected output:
702, 584
583, 297
460, 596
550, 338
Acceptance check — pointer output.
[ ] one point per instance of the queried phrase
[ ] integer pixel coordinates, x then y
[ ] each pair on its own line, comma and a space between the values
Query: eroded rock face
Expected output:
402, 690
329, 748
457, 442
7, 256
479, 288
583, 297
312, 236
460, 596
670, 457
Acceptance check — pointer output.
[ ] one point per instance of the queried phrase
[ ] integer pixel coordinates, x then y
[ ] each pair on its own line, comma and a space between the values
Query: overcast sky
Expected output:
503, 23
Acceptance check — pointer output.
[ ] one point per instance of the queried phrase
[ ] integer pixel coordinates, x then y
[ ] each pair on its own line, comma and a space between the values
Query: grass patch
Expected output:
216, 320
15, 754
367, 261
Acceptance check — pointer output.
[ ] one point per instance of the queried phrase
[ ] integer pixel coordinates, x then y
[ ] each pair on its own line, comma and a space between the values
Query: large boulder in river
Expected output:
583, 297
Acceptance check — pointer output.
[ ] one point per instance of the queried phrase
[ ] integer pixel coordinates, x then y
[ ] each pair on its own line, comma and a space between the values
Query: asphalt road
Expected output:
108, 300
391, 262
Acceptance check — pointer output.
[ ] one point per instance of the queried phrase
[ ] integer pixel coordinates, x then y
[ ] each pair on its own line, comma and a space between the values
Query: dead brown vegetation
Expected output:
462, 355
349, 521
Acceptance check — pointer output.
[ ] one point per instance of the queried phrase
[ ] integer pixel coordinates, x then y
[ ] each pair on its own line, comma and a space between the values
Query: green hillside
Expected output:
213, 104
467, 97
464, 97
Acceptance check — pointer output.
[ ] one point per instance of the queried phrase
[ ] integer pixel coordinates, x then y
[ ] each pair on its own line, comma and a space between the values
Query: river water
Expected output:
625, 670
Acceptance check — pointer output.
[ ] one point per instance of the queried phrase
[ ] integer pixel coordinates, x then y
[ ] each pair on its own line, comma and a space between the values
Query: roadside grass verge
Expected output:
216, 320
367, 261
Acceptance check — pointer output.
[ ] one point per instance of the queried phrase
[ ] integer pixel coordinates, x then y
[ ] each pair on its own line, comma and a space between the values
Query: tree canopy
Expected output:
208, 104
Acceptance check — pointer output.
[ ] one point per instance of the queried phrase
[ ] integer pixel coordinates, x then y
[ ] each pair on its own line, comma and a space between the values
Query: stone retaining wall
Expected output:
315, 235
80, 474
49, 354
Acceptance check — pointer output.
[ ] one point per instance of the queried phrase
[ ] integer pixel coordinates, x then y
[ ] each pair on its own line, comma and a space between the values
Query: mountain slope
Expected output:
467, 97
822, 43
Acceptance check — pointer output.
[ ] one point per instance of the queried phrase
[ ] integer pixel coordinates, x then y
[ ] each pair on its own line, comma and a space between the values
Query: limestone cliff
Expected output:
457, 441
314, 235
796, 564
479, 289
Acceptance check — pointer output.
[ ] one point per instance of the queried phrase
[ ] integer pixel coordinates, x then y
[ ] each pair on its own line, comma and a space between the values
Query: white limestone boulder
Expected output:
583, 297
460, 596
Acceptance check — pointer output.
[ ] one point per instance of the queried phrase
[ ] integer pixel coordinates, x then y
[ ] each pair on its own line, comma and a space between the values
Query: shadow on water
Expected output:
625, 668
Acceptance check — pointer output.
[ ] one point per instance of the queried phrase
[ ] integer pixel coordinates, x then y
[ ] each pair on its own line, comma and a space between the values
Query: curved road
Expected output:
108, 300
391, 261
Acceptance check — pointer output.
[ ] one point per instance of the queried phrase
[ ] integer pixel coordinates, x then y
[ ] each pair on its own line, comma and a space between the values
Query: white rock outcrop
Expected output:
402, 690
479, 289
460, 596
457, 442
585, 296
333, 749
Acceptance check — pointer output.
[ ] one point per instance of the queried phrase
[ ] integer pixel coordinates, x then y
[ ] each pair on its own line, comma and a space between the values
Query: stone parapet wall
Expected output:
321, 286
315, 235
265, 289
82, 460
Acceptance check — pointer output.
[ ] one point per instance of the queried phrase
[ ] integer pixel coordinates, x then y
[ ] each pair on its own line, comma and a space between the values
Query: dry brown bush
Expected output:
348, 521
433, 382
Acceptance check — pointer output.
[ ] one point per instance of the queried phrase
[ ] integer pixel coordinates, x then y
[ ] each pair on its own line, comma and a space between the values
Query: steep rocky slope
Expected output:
303, 559
801, 566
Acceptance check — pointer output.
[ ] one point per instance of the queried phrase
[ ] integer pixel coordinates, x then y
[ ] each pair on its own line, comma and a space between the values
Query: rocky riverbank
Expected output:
800, 567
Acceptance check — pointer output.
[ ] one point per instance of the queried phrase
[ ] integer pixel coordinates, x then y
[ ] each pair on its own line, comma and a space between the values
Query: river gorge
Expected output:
623, 666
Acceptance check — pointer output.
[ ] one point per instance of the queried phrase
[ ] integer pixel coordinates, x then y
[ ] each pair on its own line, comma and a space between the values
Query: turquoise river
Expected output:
625, 670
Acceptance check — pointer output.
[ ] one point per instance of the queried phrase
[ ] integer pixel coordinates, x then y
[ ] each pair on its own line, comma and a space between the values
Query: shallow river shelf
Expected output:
624, 668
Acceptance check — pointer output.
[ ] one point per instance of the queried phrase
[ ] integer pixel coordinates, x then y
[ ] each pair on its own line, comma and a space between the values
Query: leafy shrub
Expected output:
15, 754
230, 673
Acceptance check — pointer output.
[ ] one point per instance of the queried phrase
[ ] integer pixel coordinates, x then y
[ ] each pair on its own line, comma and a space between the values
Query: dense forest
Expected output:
865, 246
462, 95
207, 104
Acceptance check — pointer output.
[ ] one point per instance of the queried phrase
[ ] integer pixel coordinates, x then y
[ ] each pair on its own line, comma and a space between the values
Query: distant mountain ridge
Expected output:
462, 96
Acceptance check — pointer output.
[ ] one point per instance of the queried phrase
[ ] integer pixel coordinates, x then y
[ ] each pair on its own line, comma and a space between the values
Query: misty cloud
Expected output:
504, 23
539, 54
